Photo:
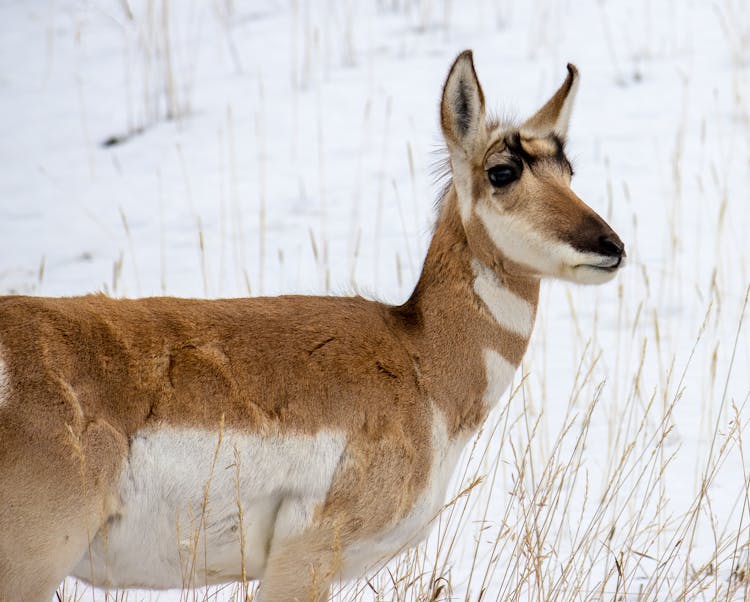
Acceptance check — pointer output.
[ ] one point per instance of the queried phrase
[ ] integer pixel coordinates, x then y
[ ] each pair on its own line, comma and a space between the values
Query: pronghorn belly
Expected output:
194, 507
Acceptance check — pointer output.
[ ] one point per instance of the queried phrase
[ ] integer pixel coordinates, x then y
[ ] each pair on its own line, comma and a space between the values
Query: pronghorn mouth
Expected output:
610, 264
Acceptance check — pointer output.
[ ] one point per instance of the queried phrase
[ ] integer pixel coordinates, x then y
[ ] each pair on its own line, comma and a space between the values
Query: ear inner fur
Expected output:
462, 112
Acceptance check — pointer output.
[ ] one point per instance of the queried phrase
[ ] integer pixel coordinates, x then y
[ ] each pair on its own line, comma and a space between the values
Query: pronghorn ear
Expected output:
462, 107
554, 116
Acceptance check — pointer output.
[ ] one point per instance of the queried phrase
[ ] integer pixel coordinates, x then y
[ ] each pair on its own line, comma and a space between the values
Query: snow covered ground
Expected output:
228, 148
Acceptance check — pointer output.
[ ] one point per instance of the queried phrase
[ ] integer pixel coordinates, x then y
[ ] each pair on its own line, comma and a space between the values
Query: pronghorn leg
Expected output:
299, 570
41, 538
35, 561
51, 505
302, 560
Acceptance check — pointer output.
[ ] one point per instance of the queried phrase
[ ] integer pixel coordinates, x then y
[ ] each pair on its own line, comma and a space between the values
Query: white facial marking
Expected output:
165, 524
499, 372
521, 242
511, 311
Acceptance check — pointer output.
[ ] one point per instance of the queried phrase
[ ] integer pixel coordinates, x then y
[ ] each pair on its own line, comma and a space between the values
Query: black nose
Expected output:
611, 245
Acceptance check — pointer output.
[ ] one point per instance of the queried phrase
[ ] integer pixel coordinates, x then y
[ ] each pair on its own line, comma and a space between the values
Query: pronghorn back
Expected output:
168, 442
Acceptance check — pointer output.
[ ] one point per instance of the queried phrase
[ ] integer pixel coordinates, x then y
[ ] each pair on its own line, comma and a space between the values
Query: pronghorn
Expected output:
168, 442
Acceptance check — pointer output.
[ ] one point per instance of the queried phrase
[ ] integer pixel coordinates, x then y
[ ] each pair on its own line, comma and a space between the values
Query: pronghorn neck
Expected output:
469, 320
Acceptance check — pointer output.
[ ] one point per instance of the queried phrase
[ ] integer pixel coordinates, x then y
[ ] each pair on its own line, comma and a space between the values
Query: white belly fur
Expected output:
162, 538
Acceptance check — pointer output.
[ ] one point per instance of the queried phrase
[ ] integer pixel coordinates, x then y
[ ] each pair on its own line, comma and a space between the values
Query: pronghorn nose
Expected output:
610, 244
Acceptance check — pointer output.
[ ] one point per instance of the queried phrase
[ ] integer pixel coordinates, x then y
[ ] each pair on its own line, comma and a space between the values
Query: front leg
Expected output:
301, 569
303, 559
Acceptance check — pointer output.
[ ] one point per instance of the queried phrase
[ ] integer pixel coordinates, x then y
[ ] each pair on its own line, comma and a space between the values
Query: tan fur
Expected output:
554, 116
83, 375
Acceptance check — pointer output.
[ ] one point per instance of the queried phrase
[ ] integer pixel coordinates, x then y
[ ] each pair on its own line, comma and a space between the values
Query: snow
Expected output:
287, 167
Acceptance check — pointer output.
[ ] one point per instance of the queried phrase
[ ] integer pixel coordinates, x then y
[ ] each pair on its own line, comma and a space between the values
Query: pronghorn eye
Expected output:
502, 175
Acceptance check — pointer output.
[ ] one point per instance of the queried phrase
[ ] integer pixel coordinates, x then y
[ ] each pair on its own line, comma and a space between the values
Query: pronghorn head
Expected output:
513, 186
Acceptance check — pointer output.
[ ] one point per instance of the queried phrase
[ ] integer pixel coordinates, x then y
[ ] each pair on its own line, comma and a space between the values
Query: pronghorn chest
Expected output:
447, 452
414, 525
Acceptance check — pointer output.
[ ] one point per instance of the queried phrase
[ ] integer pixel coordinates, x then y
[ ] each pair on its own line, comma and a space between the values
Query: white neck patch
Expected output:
509, 310
499, 373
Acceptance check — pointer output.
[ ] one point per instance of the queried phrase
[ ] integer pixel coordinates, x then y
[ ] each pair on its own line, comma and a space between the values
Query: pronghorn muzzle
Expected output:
602, 243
